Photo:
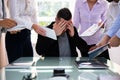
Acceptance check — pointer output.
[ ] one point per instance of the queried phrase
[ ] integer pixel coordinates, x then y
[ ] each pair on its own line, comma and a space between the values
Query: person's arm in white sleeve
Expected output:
109, 20
17, 14
34, 17
76, 17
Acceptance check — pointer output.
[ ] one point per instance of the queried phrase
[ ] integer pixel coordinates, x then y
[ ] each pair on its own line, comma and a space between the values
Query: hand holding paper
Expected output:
50, 33
92, 29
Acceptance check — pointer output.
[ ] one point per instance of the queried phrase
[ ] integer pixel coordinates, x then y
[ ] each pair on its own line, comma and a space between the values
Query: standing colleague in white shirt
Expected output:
18, 39
112, 13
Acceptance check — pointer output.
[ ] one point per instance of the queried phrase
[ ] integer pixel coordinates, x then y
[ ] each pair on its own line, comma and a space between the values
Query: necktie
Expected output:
4, 14
3, 9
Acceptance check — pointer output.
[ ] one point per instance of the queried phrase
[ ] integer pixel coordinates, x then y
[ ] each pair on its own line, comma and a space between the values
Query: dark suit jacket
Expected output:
48, 47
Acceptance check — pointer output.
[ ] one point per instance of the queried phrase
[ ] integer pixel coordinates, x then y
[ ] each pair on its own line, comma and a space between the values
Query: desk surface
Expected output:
44, 69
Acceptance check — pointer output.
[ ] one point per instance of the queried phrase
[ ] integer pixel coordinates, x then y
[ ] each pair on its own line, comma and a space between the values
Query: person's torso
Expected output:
89, 17
54, 49
23, 14
114, 10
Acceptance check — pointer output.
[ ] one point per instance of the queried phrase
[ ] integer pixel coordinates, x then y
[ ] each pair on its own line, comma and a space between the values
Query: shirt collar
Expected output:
84, 1
98, 1
119, 4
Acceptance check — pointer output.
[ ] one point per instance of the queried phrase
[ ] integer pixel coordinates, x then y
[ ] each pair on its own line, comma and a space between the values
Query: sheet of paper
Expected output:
50, 33
23, 63
92, 29
17, 67
58, 78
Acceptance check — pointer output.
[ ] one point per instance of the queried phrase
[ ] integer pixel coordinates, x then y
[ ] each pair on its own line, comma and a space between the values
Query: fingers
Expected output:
41, 31
60, 27
114, 41
13, 23
8, 23
93, 47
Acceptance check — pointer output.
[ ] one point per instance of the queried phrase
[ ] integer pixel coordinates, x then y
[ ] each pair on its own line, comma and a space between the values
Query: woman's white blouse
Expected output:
112, 12
23, 12
0, 9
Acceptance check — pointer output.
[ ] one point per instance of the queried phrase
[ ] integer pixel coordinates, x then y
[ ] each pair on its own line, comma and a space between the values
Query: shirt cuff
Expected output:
118, 33
29, 25
110, 33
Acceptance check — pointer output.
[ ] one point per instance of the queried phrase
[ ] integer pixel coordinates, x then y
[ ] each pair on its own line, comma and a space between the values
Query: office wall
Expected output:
114, 53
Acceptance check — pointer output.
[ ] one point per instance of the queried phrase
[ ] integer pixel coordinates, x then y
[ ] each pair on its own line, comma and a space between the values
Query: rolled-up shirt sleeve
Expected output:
118, 33
23, 18
115, 28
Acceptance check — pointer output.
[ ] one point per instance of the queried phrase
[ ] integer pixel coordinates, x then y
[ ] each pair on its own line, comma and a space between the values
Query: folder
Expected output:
93, 61
85, 63
96, 52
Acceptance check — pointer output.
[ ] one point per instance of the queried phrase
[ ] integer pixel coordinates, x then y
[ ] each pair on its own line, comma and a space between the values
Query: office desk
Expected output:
44, 70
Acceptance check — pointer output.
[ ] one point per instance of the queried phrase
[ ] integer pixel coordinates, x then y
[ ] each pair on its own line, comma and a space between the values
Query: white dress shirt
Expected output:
1, 15
112, 12
1, 9
23, 12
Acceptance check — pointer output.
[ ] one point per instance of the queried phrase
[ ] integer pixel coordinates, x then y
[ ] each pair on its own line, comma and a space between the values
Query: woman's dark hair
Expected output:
110, 0
113, 0
64, 13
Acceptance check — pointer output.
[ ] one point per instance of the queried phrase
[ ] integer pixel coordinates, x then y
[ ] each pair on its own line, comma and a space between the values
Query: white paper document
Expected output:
58, 78
50, 33
21, 63
10, 66
92, 29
